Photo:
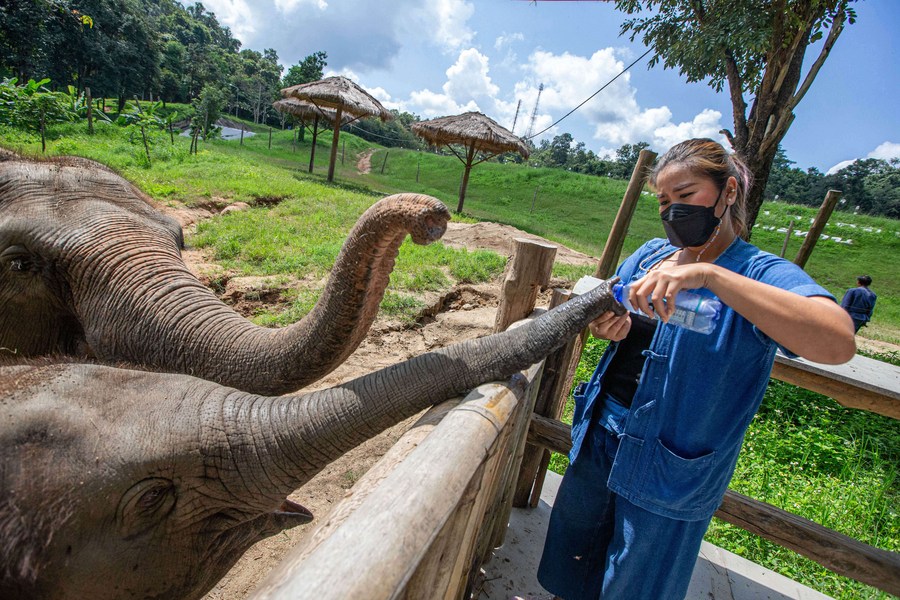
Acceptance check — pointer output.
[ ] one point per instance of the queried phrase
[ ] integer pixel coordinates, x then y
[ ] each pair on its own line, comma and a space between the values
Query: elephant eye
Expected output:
153, 497
17, 259
145, 505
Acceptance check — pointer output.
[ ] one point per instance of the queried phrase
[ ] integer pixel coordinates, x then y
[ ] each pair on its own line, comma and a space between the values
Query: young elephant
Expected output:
127, 484
89, 268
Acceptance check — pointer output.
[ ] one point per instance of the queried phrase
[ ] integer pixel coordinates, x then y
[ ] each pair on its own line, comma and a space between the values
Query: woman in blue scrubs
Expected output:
658, 427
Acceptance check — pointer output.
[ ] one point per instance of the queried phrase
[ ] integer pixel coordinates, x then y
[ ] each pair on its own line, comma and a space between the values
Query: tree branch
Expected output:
837, 26
736, 91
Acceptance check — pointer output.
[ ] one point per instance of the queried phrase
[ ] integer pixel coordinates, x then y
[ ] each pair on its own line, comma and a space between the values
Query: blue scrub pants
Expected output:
600, 545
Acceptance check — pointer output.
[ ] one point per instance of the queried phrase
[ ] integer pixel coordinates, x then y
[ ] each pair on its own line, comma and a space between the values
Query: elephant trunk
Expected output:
165, 318
302, 434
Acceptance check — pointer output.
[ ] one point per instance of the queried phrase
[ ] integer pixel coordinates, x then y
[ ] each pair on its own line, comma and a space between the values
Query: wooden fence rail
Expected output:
420, 523
834, 551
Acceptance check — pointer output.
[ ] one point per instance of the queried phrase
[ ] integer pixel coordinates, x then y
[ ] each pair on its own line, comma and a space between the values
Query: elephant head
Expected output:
126, 484
89, 268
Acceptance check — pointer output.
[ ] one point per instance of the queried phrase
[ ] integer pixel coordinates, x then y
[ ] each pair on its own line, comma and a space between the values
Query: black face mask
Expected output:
689, 224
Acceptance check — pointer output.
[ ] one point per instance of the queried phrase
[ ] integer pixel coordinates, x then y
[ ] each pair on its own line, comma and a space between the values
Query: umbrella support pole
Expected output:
334, 143
470, 154
312, 150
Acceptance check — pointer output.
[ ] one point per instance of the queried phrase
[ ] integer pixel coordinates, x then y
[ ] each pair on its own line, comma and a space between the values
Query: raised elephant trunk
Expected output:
88, 267
191, 331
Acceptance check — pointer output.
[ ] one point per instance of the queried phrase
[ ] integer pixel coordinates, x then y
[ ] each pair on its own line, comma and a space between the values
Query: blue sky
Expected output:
440, 57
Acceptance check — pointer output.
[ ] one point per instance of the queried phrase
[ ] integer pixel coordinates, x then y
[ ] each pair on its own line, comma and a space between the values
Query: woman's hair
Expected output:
708, 158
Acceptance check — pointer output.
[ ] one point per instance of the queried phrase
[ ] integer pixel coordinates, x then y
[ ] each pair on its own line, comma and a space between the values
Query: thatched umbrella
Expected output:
474, 131
342, 95
305, 110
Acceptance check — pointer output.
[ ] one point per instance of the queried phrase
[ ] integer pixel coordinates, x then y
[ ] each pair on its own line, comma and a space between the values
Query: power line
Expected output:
637, 60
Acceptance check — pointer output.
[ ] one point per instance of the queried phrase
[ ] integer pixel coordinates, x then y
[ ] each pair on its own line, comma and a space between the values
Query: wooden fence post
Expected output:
812, 236
551, 399
90, 109
787, 236
385, 161
528, 271
613, 248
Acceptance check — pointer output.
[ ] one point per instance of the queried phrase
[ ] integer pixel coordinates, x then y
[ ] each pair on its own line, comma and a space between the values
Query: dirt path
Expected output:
364, 163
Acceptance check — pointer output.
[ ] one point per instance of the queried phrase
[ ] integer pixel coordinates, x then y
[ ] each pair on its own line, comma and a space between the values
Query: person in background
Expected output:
657, 429
859, 302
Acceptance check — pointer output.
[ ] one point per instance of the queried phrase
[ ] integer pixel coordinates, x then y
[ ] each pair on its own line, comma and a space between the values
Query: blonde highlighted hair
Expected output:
708, 158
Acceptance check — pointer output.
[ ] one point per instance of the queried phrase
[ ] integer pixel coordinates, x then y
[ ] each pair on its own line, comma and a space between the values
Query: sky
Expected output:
442, 57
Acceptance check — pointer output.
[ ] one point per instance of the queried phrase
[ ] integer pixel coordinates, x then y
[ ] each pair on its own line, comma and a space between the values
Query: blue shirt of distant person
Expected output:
859, 302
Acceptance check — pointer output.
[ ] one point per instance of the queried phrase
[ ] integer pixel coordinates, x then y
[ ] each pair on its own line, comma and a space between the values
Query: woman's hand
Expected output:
654, 294
610, 326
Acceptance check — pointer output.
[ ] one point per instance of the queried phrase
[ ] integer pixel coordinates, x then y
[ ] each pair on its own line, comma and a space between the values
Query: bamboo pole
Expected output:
334, 141
613, 248
312, 149
90, 110
812, 236
787, 237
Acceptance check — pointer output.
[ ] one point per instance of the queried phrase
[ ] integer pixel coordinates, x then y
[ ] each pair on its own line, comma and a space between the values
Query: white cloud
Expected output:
468, 78
441, 23
289, 6
236, 14
884, 151
430, 104
839, 166
468, 87
507, 39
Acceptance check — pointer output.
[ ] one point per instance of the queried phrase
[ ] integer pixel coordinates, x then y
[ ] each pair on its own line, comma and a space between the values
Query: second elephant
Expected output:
89, 268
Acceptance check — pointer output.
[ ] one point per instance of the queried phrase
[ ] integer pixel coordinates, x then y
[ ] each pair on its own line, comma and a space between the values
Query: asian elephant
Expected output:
89, 268
128, 484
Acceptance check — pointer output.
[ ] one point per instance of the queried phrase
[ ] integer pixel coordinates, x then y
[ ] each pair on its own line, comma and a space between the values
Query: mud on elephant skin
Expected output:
129, 484
89, 268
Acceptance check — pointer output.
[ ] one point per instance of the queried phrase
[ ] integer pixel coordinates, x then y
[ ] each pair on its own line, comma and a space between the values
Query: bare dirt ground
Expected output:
463, 313
364, 162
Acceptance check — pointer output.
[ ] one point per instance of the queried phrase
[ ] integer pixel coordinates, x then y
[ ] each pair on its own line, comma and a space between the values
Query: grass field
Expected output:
803, 452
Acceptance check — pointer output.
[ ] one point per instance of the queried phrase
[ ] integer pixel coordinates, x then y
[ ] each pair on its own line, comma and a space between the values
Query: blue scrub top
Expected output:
679, 442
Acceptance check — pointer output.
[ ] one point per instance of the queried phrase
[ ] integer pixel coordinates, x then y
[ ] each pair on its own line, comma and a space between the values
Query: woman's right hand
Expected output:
610, 326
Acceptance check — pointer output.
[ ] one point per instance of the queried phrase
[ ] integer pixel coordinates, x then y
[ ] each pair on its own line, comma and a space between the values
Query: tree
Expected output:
756, 48
560, 148
309, 69
626, 159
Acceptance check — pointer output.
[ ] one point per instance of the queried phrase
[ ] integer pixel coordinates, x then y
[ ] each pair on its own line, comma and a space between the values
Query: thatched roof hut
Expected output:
342, 95
304, 110
307, 110
475, 131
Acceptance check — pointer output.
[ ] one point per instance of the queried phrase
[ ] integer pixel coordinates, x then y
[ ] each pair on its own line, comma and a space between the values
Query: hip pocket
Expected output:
682, 484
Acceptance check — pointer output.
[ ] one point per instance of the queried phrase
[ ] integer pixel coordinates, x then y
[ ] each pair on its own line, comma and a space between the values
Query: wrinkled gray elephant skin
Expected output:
88, 268
126, 484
